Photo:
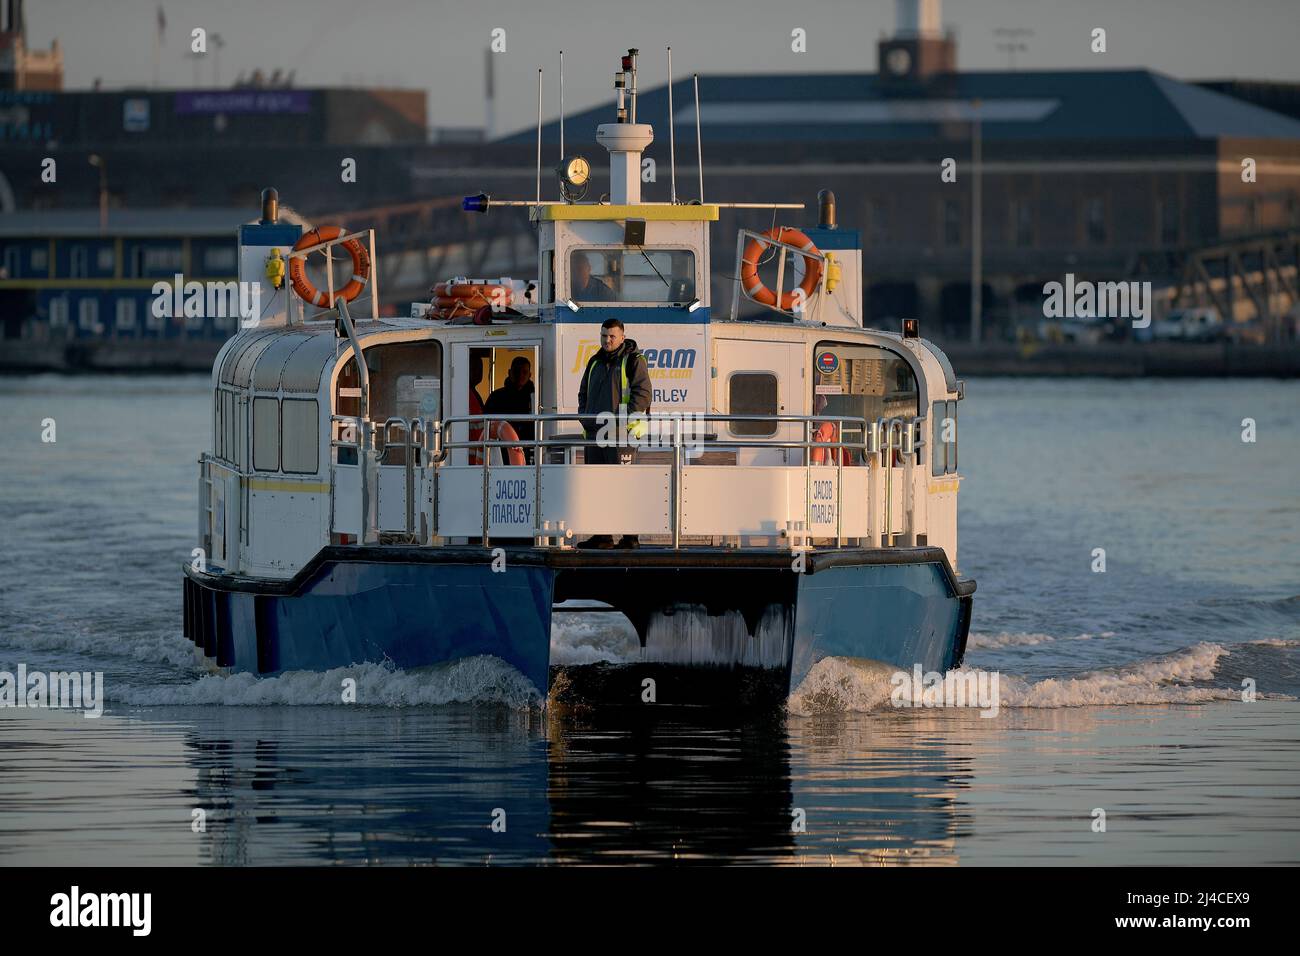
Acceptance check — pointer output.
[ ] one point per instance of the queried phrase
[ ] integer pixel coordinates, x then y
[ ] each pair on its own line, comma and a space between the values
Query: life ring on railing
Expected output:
498, 431
753, 285
826, 433
298, 267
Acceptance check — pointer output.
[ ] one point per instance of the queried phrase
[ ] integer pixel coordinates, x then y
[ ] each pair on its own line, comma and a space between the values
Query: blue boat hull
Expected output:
419, 607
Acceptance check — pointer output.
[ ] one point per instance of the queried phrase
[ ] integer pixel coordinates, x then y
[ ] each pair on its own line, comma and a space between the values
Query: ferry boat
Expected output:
792, 489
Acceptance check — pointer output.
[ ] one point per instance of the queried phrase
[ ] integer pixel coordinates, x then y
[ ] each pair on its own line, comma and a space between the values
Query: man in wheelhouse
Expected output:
615, 393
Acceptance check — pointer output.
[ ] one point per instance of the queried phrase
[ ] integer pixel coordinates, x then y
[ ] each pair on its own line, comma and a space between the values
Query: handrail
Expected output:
674, 420
415, 437
363, 413
408, 448
879, 440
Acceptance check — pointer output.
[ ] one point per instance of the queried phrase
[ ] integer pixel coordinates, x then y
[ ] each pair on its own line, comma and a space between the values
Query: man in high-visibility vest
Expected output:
615, 386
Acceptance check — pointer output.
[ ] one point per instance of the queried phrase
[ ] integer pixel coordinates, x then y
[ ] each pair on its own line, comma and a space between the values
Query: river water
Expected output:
1122, 689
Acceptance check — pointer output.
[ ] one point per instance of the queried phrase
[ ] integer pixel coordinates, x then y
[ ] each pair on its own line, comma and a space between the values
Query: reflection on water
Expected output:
369, 785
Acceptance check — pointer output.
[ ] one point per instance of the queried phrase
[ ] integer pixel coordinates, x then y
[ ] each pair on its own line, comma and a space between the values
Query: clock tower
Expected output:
919, 49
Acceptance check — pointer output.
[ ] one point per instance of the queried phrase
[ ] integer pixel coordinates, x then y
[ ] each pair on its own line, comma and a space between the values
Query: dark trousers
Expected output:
597, 455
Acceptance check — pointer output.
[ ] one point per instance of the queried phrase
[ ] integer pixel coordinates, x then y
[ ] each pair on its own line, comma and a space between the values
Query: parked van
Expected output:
1190, 325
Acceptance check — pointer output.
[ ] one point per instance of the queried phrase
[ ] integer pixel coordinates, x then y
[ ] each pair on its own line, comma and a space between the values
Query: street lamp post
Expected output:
976, 235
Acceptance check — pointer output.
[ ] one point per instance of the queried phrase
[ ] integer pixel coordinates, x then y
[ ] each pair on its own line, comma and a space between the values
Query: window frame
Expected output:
822, 345
257, 461
315, 433
943, 455
737, 429
632, 250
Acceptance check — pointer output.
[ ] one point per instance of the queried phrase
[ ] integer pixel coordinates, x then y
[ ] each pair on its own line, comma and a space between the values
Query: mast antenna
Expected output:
672, 139
539, 136
699, 143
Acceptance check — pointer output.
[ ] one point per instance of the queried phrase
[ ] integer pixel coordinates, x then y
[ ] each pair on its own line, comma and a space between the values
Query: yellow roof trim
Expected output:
605, 212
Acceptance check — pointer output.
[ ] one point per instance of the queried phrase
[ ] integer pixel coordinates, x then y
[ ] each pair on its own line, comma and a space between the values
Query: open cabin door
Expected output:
759, 378
478, 369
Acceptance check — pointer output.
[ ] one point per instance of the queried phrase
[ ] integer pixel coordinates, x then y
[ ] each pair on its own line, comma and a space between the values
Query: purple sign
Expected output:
243, 101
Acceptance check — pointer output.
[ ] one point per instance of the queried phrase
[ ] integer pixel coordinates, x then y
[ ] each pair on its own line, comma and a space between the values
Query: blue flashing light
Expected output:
477, 203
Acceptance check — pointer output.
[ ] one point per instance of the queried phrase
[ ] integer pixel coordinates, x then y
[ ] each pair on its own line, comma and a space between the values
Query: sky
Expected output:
438, 45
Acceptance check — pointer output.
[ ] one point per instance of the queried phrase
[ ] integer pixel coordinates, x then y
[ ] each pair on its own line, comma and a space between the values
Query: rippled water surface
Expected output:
1121, 690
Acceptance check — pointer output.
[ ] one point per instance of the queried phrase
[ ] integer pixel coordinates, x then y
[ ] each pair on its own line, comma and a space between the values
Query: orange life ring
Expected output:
473, 290
826, 433
498, 431
298, 267
753, 285
454, 299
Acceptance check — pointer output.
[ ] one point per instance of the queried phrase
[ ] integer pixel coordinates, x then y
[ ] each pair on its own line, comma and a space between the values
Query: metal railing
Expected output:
882, 441
417, 453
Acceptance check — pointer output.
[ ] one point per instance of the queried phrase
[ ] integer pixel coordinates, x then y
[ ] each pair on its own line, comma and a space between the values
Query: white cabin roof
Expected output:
288, 359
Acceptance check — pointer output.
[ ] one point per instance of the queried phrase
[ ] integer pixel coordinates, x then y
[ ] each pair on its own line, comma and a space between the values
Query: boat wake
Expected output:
1196, 674
472, 680
988, 641
169, 649
841, 685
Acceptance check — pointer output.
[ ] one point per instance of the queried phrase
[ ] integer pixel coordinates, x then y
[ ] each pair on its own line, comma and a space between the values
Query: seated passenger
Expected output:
586, 287
515, 397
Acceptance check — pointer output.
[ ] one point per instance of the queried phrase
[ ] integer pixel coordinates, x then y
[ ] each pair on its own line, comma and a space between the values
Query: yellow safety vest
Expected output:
637, 428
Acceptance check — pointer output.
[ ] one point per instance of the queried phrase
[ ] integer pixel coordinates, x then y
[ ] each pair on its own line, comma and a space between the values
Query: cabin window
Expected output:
405, 380
632, 275
218, 435
943, 439
266, 434
228, 424
753, 393
300, 421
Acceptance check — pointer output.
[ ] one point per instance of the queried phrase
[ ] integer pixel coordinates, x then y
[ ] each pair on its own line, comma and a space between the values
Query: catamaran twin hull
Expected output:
415, 607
